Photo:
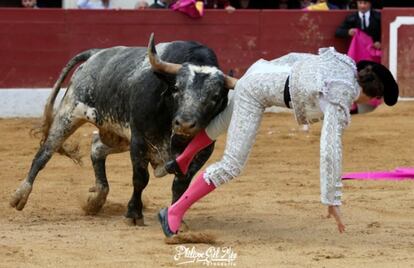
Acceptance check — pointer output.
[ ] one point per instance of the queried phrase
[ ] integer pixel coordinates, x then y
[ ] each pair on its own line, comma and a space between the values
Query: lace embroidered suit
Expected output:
321, 86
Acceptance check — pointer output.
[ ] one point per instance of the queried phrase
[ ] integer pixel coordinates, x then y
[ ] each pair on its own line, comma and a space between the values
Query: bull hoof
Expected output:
19, 198
160, 171
134, 221
96, 200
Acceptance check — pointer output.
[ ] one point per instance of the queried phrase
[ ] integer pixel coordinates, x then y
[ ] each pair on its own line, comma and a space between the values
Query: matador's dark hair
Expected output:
370, 82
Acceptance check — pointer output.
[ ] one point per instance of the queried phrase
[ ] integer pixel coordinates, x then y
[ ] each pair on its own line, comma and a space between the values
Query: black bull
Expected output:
151, 105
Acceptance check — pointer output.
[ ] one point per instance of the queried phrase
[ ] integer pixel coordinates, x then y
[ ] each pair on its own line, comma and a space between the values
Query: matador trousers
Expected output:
254, 92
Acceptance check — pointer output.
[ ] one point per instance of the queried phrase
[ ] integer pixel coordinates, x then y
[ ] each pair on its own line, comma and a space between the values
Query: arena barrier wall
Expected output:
36, 44
398, 46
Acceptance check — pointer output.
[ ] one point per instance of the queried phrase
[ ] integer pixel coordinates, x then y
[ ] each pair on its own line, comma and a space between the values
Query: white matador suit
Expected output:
321, 87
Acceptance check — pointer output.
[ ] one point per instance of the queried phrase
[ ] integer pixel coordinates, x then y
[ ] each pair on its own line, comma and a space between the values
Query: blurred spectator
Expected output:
317, 6
161, 4
328, 5
29, 3
305, 3
283, 4
141, 4
222, 4
87, 4
267, 4
397, 3
377, 4
240, 3
254, 4
366, 19
338, 4
288, 4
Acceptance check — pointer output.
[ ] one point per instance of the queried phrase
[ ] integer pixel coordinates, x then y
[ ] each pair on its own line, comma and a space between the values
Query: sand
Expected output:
270, 216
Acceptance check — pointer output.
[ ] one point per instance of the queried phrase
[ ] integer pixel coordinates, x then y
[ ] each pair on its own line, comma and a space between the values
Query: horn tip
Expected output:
151, 45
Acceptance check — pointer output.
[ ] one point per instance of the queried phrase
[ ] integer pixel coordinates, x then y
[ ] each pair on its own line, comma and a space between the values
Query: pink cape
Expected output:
192, 8
362, 48
400, 173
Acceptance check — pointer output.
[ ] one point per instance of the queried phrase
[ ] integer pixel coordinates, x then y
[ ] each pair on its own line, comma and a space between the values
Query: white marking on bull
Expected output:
89, 113
84, 111
203, 69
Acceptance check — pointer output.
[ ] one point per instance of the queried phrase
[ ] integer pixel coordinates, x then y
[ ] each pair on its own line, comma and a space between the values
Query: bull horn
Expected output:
230, 82
158, 64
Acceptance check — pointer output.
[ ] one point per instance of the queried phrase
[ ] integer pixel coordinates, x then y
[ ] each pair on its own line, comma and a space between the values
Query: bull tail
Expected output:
48, 115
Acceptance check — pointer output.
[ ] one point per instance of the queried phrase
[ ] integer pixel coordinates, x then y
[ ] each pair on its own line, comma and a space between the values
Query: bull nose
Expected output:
184, 125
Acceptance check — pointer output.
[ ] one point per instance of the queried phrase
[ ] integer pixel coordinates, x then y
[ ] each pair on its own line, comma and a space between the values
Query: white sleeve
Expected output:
331, 154
220, 123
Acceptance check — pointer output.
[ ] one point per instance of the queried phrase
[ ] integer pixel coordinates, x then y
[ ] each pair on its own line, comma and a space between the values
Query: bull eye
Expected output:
174, 89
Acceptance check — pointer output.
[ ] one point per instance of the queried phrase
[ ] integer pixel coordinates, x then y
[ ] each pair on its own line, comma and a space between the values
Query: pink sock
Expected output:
199, 142
197, 190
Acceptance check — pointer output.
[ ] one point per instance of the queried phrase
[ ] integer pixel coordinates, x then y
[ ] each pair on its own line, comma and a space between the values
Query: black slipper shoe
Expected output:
163, 219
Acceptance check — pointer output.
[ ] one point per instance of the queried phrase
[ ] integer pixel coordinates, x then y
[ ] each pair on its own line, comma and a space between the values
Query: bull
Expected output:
150, 101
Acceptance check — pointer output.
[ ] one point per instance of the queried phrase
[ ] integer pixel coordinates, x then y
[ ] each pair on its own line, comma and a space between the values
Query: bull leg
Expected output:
62, 127
140, 178
99, 153
181, 183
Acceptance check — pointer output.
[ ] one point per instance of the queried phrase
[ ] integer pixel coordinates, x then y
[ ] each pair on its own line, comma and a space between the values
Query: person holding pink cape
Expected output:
366, 19
316, 87
364, 27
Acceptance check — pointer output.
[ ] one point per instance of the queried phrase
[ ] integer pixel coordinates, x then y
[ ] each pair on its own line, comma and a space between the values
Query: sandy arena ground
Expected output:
270, 216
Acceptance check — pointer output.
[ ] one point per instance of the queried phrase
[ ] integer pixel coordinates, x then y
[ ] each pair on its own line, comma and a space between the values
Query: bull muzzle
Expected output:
185, 126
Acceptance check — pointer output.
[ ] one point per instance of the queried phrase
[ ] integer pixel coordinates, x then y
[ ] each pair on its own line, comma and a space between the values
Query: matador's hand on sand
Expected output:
336, 213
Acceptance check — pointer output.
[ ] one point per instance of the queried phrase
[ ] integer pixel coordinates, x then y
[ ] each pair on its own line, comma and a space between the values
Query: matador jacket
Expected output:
323, 87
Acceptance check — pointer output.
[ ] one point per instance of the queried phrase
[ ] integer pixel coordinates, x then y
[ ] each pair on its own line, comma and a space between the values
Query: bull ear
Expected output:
157, 64
230, 82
